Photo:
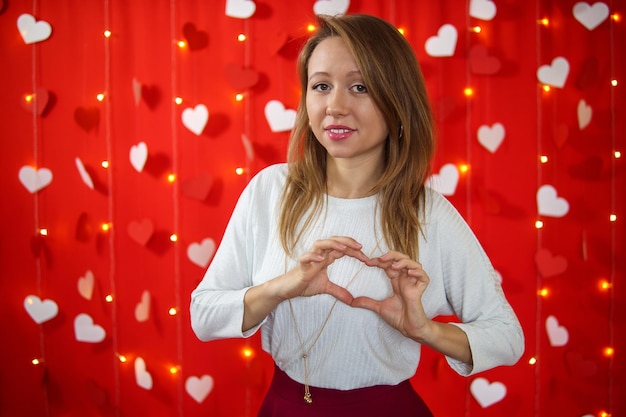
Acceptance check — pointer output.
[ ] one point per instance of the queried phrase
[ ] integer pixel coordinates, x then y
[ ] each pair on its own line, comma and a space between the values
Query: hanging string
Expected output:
176, 204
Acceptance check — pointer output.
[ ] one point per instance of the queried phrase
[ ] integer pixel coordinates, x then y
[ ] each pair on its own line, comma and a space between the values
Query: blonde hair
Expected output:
394, 80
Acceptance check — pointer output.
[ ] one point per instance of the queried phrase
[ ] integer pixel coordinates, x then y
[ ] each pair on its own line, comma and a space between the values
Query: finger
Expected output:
366, 303
339, 293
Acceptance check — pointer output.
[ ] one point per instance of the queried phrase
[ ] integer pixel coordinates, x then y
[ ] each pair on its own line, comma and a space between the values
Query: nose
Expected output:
337, 104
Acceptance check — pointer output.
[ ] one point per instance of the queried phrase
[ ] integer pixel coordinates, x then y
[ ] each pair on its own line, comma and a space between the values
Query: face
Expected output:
342, 114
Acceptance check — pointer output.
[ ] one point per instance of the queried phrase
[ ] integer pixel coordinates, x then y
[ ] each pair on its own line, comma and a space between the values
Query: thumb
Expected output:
366, 303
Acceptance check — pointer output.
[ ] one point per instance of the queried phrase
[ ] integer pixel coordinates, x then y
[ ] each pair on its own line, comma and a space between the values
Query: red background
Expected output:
497, 195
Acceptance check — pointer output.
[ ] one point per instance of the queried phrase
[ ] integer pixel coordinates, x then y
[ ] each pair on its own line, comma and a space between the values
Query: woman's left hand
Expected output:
403, 309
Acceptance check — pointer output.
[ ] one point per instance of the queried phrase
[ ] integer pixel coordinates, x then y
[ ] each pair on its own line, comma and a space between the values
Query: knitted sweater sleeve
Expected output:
475, 294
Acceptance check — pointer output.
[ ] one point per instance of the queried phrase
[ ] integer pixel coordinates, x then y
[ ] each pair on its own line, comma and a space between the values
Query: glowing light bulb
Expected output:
107, 33
105, 164
546, 88
617, 154
247, 352
105, 227
604, 285
108, 298
614, 83
174, 370
543, 159
173, 237
181, 44
241, 37
100, 97
178, 100
172, 311
468, 91
35, 361
545, 22
239, 97
463, 168
476, 29
613, 217
311, 27
616, 17
43, 232
604, 414
532, 361
122, 358
543, 292
28, 98
538, 224
171, 177
402, 31
239, 171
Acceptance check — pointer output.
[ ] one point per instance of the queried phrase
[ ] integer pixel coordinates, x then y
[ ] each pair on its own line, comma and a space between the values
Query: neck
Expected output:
347, 179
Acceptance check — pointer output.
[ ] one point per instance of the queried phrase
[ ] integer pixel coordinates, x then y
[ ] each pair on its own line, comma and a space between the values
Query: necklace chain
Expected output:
305, 352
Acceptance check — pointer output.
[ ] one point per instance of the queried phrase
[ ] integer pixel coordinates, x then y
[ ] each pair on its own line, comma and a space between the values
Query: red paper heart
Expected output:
276, 42
196, 39
36, 102
151, 95
481, 62
549, 265
590, 169
87, 118
561, 133
141, 232
84, 229
588, 75
241, 78
197, 188
580, 366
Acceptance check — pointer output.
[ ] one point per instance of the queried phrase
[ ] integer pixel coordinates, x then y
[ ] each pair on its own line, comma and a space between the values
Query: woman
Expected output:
342, 257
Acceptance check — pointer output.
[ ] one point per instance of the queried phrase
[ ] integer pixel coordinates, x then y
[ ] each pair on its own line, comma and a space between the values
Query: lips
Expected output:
338, 133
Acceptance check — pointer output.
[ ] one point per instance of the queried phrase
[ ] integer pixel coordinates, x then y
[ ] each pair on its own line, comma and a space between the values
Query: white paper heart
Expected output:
549, 203
136, 91
195, 119
247, 146
86, 284
584, 113
240, 9
331, 7
35, 180
482, 9
491, 137
142, 309
279, 118
445, 181
40, 311
557, 334
31, 30
554, 74
142, 376
499, 276
84, 175
86, 331
487, 393
139, 156
201, 253
199, 388
590, 16
444, 43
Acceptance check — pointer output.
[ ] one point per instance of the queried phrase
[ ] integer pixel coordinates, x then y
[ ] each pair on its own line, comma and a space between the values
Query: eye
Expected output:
320, 87
359, 88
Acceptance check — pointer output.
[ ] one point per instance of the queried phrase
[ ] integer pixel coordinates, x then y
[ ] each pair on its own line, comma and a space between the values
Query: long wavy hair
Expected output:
394, 80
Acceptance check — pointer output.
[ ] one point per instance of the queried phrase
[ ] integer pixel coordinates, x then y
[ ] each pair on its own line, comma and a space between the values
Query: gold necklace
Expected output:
307, 393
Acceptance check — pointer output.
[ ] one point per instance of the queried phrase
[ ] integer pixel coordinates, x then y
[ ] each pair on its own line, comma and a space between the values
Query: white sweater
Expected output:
357, 348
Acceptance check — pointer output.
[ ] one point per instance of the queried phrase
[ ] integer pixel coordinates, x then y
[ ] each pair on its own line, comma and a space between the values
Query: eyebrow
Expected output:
324, 73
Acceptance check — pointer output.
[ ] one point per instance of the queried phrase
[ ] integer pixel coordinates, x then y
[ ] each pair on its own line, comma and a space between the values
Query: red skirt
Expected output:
285, 398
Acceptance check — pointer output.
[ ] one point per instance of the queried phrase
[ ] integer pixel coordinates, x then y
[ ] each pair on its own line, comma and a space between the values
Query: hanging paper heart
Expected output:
201, 253
84, 175
279, 118
549, 265
331, 7
97, 394
31, 30
444, 43
35, 180
197, 188
491, 137
139, 156
40, 311
196, 119
142, 376
481, 62
549, 203
580, 366
584, 113
240, 9
86, 284
557, 334
276, 42
589, 169
588, 74
84, 229
590, 16
486, 393
561, 132
199, 388
36, 102
445, 181
482, 9
241, 78
86, 331
87, 118
141, 232
142, 309
554, 74
196, 39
